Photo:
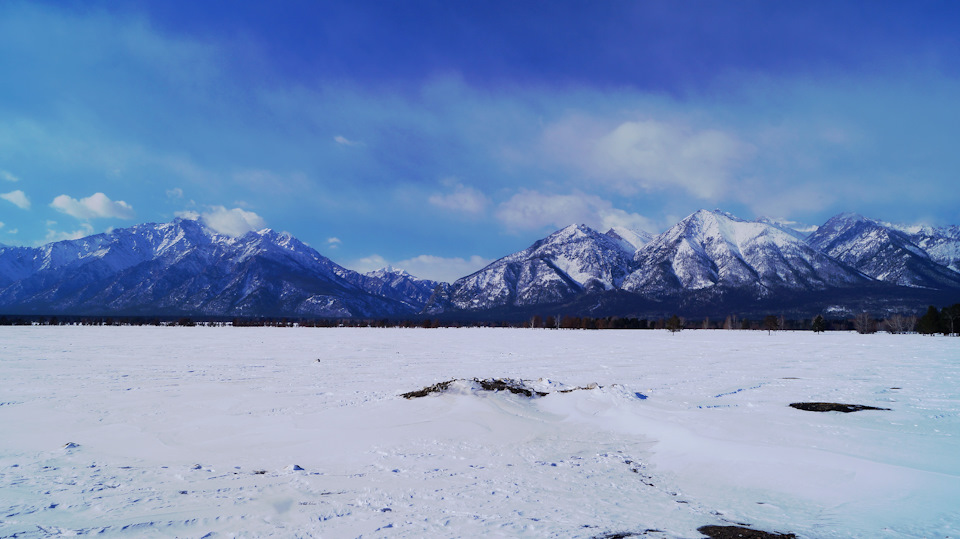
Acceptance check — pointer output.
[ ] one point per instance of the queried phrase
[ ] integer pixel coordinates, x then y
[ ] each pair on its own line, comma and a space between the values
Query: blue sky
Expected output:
437, 136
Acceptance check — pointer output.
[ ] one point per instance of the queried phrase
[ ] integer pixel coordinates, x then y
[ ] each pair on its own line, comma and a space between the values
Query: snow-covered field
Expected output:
195, 431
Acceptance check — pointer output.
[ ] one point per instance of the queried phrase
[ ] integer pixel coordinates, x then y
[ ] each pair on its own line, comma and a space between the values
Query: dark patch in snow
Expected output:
439, 387
739, 532
517, 387
832, 407
623, 535
71, 445
641, 396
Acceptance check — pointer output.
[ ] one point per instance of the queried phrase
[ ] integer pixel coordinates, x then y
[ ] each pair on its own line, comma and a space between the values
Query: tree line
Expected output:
945, 320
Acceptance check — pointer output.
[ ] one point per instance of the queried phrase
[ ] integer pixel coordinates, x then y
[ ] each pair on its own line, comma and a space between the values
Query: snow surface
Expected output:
302, 433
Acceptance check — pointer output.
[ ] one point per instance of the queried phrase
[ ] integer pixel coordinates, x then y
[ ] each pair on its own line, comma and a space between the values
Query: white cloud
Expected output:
432, 267
333, 242
2, 224
234, 222
96, 205
8, 176
650, 155
369, 263
176, 192
344, 141
52, 235
531, 209
461, 199
188, 214
18, 198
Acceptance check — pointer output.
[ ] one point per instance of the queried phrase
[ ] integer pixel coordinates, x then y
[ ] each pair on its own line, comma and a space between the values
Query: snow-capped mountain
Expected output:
552, 270
710, 260
888, 254
713, 250
184, 267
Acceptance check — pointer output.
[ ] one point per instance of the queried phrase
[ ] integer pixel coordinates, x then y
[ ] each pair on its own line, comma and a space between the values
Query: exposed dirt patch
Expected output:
833, 407
439, 387
739, 532
517, 387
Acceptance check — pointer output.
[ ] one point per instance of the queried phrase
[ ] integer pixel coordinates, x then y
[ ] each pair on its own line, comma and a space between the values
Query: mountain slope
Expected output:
883, 252
715, 251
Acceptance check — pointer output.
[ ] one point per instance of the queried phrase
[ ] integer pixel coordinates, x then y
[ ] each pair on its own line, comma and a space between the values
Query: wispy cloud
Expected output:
333, 242
176, 192
532, 210
97, 205
460, 198
8, 176
649, 155
18, 198
86, 229
344, 141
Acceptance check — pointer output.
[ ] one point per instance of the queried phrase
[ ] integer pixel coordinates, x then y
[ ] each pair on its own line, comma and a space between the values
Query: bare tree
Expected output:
771, 323
732, 322
898, 323
864, 323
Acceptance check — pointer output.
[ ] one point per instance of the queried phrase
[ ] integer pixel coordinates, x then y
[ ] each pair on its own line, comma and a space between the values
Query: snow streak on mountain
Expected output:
711, 260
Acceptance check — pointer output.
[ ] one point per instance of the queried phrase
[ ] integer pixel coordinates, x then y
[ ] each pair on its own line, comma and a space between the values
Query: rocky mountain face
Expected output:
710, 259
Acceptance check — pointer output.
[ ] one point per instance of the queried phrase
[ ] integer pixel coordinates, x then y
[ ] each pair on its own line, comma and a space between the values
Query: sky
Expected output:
439, 136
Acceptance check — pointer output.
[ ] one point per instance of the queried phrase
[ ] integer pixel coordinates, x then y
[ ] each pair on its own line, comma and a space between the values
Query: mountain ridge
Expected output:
710, 261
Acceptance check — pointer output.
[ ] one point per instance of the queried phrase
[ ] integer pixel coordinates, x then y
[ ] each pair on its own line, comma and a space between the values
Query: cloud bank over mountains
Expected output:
409, 140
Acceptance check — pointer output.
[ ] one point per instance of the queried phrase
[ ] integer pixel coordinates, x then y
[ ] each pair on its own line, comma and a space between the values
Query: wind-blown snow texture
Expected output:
131, 432
709, 262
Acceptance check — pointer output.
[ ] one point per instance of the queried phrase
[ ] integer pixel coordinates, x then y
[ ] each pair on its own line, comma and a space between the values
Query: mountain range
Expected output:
710, 263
